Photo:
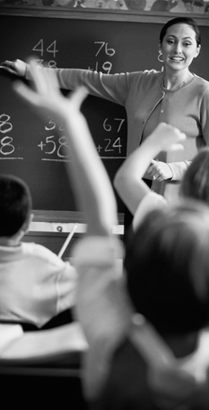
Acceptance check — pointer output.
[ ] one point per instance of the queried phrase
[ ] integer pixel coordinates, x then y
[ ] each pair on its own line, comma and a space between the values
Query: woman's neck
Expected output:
176, 81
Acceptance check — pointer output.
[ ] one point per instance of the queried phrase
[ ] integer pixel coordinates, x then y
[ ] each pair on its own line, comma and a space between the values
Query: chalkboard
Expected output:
30, 148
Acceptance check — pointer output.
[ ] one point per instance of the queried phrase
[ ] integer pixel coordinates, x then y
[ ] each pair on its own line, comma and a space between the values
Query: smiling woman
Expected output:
173, 95
179, 45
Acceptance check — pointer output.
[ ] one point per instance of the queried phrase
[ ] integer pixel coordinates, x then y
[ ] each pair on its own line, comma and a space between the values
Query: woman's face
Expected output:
179, 47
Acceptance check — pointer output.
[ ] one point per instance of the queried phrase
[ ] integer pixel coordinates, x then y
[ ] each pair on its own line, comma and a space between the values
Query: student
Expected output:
35, 284
163, 362
137, 196
170, 354
174, 95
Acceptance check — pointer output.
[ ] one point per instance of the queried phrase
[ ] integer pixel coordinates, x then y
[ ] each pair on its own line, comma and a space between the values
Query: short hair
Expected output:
195, 182
167, 268
181, 20
15, 204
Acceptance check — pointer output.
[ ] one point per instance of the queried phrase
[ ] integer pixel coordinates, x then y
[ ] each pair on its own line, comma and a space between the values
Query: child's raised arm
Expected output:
128, 179
90, 182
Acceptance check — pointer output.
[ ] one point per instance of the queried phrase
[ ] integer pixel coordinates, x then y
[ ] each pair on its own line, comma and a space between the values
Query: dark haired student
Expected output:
174, 95
37, 288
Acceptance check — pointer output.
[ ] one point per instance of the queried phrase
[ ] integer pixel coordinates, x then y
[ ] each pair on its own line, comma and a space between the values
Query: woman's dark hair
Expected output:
167, 267
181, 20
15, 204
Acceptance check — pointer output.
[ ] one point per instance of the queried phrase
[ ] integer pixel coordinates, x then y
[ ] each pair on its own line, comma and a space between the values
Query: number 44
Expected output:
52, 48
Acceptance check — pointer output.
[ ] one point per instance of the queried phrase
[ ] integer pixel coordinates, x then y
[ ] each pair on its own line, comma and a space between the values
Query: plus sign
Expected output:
41, 145
94, 69
99, 148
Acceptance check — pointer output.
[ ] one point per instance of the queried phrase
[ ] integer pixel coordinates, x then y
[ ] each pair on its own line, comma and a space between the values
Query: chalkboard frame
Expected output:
65, 217
100, 14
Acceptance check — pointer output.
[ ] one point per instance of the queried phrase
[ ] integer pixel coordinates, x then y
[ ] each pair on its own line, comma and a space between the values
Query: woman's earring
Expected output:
159, 55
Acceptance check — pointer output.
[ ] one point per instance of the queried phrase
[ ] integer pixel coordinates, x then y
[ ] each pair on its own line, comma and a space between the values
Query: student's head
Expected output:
179, 43
195, 182
167, 265
15, 205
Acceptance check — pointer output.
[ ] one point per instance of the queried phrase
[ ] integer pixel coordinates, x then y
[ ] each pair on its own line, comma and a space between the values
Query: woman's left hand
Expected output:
159, 171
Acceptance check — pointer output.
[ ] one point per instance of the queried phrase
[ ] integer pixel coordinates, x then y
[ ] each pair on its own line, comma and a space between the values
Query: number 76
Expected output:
109, 51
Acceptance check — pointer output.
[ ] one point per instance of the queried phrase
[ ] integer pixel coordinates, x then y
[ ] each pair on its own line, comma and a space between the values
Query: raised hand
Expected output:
94, 194
167, 138
46, 97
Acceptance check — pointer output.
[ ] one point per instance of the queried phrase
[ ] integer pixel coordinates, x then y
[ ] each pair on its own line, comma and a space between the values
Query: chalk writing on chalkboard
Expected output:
51, 49
53, 148
34, 149
107, 65
102, 46
7, 147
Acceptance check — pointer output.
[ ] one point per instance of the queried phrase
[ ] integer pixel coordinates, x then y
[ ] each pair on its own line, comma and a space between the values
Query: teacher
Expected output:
173, 95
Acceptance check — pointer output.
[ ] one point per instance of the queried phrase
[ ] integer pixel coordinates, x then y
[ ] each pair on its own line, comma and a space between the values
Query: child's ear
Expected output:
29, 222
26, 226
